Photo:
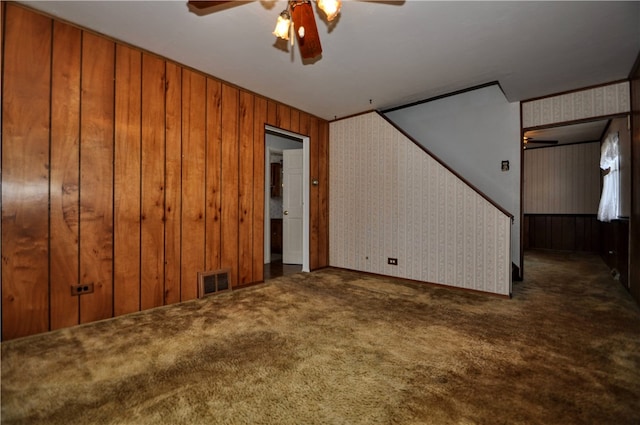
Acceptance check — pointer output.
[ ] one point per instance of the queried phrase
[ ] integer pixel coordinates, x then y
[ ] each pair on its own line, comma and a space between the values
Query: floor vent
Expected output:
213, 282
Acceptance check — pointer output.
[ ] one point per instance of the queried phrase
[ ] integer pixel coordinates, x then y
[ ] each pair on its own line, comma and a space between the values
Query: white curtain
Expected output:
610, 199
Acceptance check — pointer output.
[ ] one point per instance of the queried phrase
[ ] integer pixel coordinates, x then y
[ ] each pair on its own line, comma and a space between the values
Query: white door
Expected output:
292, 192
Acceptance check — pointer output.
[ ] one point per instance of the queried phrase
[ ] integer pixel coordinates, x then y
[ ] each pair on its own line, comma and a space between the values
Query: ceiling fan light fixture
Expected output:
331, 8
282, 25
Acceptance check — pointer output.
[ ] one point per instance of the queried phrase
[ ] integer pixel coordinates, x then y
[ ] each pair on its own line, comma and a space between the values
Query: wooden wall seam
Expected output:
213, 172
173, 169
113, 182
141, 188
79, 199
49, 180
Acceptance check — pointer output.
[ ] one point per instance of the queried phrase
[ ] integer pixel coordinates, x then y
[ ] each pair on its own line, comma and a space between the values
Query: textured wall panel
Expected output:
562, 179
589, 103
388, 198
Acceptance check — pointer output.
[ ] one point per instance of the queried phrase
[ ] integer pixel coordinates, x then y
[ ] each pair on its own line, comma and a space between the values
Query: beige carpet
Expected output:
335, 347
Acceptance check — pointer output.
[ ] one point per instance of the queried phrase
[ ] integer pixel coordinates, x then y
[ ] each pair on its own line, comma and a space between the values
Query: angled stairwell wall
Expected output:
390, 199
473, 131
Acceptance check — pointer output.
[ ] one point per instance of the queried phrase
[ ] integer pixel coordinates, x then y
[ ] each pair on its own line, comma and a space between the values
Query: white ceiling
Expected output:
575, 133
383, 54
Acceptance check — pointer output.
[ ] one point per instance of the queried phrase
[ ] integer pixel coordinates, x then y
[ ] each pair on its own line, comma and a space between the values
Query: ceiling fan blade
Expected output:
548, 142
202, 4
309, 43
205, 7
387, 2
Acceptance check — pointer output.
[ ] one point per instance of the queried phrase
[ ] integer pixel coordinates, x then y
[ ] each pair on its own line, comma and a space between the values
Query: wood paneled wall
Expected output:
562, 179
131, 172
614, 249
564, 232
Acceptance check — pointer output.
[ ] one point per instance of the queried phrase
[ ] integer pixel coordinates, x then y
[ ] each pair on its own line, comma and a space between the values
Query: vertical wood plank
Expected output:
314, 211
272, 113
305, 124
539, 233
596, 233
555, 231
259, 119
283, 117
65, 133
96, 177
295, 121
245, 194
568, 239
307, 130
153, 155
323, 203
173, 178
25, 173
579, 227
213, 170
229, 182
526, 222
589, 236
126, 250
193, 181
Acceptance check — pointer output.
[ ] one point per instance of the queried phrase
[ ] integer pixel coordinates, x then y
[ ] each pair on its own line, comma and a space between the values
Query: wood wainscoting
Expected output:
563, 232
615, 249
581, 232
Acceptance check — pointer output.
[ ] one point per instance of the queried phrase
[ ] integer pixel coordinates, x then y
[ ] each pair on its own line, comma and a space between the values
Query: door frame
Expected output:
306, 185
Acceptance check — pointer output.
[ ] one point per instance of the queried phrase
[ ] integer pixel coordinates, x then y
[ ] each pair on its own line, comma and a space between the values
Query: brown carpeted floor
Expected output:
336, 347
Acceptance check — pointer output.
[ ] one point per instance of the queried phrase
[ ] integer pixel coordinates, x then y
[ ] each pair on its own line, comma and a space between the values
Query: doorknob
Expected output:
286, 213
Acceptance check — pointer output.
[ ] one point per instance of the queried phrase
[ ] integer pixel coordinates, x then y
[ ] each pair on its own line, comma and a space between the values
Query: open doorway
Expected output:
562, 186
279, 239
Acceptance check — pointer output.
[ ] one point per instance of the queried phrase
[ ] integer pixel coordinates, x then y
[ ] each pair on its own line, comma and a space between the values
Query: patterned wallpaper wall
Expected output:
562, 179
595, 102
388, 198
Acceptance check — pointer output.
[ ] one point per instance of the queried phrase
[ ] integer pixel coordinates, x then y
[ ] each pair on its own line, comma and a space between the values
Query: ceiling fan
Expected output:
297, 18
528, 140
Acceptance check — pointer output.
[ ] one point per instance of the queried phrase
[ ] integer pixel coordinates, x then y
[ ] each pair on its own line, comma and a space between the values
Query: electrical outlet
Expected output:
87, 288
392, 261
